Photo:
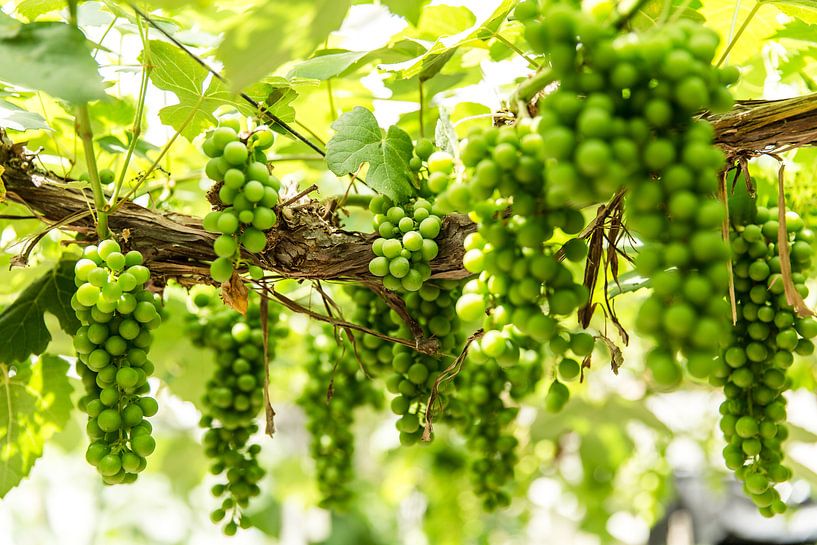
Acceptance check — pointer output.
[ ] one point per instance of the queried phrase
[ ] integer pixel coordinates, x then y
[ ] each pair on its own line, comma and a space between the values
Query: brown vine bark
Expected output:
308, 243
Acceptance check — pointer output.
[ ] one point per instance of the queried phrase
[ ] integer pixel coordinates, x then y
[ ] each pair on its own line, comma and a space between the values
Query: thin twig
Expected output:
448, 374
427, 346
300, 194
269, 412
271, 116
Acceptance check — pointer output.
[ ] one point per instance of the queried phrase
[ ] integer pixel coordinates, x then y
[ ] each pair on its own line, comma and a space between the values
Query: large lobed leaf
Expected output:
275, 33
35, 403
22, 326
50, 57
358, 139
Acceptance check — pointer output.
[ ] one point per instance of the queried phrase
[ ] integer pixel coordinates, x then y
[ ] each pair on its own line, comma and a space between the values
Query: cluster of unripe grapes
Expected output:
370, 311
336, 387
522, 289
413, 373
117, 314
753, 371
623, 118
247, 194
233, 399
406, 243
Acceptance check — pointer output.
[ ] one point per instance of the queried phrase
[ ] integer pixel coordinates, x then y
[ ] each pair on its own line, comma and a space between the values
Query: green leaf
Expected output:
50, 57
628, 282
410, 10
275, 33
35, 403
22, 326
176, 72
434, 59
32, 9
18, 119
358, 139
323, 67
804, 10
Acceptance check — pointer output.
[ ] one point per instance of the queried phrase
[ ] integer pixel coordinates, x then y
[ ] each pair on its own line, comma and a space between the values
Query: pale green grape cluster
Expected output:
765, 338
372, 312
336, 388
247, 195
117, 314
233, 398
406, 243
414, 373
625, 117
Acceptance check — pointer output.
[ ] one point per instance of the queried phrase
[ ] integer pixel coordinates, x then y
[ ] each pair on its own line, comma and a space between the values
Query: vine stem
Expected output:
738, 34
86, 134
533, 64
251, 101
528, 88
136, 129
422, 125
161, 155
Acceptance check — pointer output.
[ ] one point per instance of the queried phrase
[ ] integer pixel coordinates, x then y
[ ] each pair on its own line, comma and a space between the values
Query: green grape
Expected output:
112, 352
754, 373
336, 387
246, 195
233, 399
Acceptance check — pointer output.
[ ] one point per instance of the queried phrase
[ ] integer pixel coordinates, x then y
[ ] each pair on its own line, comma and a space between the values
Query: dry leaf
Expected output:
234, 293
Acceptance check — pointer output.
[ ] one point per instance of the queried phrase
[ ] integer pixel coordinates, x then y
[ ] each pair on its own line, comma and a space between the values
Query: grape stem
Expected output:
86, 134
528, 88
255, 104
738, 34
136, 129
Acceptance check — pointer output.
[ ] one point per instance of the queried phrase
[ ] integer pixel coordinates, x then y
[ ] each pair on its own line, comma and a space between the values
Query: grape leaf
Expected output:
176, 72
18, 119
32, 9
326, 65
275, 33
35, 403
358, 139
50, 57
410, 10
804, 10
22, 326
434, 59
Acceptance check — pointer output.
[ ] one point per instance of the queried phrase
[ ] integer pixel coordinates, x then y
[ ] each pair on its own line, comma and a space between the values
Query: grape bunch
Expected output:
247, 194
336, 387
482, 415
623, 117
234, 396
372, 312
406, 243
117, 314
414, 373
767, 334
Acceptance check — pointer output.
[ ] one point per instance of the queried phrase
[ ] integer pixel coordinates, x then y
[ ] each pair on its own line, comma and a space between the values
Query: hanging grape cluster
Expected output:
336, 388
233, 399
371, 312
117, 314
247, 194
767, 333
414, 373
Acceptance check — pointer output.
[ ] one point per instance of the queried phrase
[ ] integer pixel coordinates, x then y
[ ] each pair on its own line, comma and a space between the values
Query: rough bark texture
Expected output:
307, 243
